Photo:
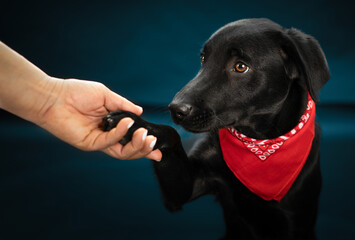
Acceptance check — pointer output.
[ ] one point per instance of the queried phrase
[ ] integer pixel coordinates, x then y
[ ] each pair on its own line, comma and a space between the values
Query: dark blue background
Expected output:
147, 51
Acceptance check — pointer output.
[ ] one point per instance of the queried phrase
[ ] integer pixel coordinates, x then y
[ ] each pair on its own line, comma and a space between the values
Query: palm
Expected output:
83, 109
78, 111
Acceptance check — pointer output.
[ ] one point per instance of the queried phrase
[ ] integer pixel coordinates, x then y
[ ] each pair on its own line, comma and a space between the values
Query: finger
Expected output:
116, 151
114, 102
155, 155
98, 140
147, 148
130, 149
149, 153
137, 142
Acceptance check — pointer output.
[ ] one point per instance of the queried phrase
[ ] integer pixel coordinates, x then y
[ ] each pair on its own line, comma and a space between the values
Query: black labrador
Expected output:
256, 77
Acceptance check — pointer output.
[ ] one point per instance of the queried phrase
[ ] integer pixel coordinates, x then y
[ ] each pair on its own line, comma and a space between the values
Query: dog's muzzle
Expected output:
190, 117
180, 112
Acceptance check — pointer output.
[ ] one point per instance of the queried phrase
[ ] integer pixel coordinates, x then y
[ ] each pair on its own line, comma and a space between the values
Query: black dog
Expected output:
254, 80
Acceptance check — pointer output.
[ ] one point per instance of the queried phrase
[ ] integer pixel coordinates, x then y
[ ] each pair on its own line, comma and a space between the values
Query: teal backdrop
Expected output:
146, 51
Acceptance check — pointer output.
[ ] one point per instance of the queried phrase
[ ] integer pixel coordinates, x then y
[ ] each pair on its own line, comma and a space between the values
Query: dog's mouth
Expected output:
202, 121
196, 122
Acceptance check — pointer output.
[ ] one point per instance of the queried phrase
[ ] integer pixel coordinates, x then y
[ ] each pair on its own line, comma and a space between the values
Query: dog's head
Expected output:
248, 69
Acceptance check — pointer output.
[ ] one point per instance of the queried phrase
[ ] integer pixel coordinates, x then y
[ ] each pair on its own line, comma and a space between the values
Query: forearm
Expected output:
25, 90
71, 109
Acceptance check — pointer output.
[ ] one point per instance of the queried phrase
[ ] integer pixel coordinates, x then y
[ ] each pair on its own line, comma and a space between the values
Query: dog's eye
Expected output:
202, 58
241, 67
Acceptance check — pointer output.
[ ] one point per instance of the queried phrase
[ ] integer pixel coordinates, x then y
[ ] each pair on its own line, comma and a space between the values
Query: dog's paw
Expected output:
112, 119
166, 136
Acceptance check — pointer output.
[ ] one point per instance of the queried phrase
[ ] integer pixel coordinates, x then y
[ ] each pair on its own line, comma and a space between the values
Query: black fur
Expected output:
264, 102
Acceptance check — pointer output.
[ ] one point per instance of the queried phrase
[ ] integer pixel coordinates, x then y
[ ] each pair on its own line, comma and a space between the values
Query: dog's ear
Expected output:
304, 59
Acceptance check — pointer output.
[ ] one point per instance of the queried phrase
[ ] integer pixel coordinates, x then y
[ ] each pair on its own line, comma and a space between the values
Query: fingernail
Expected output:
152, 144
140, 108
144, 135
130, 124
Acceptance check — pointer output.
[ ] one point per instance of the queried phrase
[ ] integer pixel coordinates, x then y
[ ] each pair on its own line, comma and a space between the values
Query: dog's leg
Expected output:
176, 173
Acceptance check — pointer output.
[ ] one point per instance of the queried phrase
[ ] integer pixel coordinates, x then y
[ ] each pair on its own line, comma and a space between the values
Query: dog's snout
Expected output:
180, 111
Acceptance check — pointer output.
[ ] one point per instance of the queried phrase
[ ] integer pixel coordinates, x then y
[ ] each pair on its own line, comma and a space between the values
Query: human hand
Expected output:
70, 109
75, 110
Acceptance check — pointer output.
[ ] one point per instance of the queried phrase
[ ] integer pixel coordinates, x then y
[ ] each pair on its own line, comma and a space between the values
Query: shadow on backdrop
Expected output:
146, 51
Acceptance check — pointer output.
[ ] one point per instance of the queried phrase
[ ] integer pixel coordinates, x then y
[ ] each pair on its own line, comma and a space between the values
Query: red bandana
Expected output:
269, 167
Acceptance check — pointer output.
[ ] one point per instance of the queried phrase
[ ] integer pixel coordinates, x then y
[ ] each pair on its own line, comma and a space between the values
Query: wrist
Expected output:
31, 96
46, 95
25, 90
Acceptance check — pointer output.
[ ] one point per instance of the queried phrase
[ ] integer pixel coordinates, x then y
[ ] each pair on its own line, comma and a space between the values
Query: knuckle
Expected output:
145, 150
99, 84
126, 154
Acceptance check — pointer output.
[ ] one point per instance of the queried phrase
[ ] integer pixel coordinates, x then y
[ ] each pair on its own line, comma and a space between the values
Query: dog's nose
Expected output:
180, 111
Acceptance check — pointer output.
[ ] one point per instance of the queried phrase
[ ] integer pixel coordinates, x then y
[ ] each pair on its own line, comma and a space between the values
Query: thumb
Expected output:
99, 140
115, 102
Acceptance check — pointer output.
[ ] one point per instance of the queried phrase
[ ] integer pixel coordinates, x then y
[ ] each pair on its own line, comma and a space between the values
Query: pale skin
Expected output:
70, 109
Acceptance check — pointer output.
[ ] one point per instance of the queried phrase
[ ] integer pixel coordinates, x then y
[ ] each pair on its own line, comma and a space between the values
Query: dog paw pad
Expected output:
108, 123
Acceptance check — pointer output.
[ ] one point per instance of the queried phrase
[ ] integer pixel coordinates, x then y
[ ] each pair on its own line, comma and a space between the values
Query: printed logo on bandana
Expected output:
265, 148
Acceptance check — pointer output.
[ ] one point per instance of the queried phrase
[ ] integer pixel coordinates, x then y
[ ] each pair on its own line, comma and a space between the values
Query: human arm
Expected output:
70, 109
